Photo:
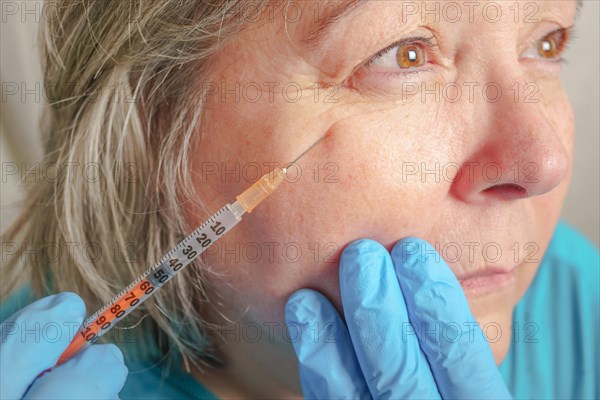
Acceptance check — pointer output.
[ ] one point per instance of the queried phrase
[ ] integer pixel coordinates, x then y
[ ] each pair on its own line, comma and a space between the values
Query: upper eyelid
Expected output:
567, 31
567, 36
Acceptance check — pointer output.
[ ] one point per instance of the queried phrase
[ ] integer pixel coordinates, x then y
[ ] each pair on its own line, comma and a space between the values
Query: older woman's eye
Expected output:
550, 47
408, 57
404, 55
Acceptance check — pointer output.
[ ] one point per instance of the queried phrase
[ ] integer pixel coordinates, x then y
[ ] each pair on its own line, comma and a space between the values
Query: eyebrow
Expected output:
324, 23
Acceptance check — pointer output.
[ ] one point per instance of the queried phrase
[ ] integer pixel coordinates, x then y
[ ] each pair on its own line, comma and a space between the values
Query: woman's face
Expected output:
442, 120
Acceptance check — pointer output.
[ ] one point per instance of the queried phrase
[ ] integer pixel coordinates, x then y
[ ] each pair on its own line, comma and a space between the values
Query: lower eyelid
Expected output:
543, 62
386, 79
536, 56
399, 71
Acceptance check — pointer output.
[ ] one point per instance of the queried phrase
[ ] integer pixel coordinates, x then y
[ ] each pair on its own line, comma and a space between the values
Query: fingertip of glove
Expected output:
363, 263
418, 264
411, 249
115, 351
67, 298
299, 296
360, 247
65, 306
297, 306
358, 255
69, 304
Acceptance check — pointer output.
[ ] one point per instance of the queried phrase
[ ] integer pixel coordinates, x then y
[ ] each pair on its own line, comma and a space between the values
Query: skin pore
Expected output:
499, 164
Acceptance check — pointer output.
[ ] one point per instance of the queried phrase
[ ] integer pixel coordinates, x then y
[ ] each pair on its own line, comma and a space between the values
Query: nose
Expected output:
520, 154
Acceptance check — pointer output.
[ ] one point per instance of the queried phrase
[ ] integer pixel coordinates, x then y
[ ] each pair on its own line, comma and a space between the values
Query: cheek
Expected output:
350, 186
358, 182
354, 184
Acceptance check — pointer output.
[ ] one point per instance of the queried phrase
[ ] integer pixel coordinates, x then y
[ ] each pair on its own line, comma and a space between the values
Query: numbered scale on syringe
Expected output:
155, 277
173, 262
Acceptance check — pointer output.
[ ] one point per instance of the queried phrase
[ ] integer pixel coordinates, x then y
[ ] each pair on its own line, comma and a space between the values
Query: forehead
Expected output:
321, 13
319, 17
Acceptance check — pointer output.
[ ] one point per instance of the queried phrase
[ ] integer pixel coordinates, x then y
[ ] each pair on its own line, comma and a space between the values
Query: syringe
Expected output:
175, 261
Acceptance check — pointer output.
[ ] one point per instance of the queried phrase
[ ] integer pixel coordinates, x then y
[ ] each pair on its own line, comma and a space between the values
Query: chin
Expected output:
493, 307
494, 312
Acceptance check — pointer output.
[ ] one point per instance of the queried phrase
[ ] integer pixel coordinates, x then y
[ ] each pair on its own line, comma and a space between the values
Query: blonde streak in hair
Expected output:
153, 46
85, 211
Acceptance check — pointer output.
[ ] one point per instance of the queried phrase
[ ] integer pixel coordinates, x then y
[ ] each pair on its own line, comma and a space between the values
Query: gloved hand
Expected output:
34, 338
386, 301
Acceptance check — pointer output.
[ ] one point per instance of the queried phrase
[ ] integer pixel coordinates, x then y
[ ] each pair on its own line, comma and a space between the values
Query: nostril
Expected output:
507, 190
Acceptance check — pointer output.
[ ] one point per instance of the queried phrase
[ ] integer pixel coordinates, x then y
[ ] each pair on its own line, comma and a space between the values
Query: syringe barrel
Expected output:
256, 193
174, 261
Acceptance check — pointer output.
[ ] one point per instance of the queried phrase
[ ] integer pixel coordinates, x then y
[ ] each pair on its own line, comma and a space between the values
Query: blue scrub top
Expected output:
554, 352
557, 355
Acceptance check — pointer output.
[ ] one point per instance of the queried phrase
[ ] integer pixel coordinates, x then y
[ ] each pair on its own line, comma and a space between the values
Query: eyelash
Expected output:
568, 34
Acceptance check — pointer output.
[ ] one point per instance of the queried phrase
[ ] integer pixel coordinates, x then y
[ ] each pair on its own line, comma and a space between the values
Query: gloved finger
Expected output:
98, 372
34, 338
460, 356
392, 361
328, 366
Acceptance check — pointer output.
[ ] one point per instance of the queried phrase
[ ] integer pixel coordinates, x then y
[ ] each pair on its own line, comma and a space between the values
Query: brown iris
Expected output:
410, 55
552, 45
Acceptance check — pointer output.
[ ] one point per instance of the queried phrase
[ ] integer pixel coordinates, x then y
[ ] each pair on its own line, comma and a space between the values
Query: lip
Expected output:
487, 281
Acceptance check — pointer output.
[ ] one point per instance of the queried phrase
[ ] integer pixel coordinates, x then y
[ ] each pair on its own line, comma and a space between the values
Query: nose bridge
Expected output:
518, 125
489, 70
518, 152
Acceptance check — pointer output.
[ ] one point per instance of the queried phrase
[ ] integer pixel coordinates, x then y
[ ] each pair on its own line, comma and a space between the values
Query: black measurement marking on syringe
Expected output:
155, 277
202, 237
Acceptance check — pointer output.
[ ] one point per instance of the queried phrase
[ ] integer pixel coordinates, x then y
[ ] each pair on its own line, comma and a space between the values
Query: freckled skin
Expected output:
366, 189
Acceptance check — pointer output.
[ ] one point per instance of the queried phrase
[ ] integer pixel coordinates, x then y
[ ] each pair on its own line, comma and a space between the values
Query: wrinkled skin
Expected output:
365, 178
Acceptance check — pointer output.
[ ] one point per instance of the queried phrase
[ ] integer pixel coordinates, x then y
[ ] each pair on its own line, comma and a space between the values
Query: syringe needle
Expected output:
266, 185
306, 151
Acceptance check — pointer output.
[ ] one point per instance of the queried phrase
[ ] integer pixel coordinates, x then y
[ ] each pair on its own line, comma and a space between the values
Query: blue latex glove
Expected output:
35, 337
377, 355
